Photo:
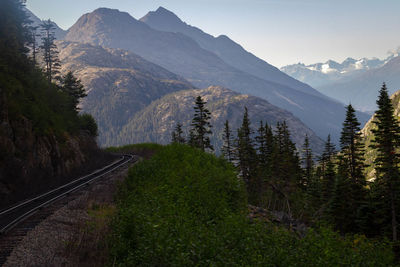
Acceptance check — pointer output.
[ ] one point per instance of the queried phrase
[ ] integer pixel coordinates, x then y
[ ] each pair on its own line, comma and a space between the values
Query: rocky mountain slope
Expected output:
119, 83
229, 51
183, 56
369, 136
157, 121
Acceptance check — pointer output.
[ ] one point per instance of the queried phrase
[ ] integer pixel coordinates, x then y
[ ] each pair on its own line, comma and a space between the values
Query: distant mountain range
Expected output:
355, 81
188, 53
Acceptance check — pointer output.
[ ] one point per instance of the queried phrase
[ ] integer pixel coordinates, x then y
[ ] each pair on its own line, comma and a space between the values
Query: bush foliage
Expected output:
185, 207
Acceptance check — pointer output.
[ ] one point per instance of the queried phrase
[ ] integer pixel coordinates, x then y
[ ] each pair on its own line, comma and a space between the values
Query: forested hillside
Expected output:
157, 121
42, 137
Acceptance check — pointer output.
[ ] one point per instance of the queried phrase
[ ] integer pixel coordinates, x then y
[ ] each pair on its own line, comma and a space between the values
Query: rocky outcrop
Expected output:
31, 162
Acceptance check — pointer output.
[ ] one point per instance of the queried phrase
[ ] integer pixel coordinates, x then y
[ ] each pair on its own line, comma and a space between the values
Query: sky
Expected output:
280, 32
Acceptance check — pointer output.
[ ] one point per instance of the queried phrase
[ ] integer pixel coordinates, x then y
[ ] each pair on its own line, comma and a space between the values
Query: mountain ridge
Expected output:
182, 55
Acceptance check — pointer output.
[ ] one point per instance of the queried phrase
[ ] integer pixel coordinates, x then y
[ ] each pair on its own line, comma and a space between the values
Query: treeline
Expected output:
329, 189
36, 91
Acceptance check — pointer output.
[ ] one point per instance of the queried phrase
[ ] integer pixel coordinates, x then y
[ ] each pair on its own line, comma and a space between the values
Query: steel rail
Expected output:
106, 170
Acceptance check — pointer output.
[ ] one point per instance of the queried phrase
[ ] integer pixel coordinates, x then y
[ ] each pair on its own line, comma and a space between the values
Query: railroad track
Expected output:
33, 209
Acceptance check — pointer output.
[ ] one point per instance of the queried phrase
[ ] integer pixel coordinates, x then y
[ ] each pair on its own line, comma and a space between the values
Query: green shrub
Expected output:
184, 207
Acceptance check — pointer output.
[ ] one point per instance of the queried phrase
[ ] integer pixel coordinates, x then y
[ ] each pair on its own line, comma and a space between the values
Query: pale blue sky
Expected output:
279, 31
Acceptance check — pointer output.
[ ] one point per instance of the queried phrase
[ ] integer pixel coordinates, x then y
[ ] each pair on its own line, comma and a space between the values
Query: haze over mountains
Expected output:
355, 81
181, 54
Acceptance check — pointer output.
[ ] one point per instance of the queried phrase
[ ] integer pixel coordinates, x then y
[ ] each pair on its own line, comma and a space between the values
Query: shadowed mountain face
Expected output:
119, 83
157, 121
184, 56
229, 51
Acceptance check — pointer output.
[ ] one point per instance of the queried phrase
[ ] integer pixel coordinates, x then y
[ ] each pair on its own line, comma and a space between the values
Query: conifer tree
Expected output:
177, 134
201, 126
308, 162
49, 50
33, 42
246, 153
386, 143
352, 148
74, 88
227, 148
328, 174
349, 191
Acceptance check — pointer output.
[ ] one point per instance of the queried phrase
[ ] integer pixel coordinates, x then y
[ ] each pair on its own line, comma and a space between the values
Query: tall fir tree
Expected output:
74, 88
328, 174
49, 50
227, 148
246, 154
351, 181
308, 162
201, 126
33, 42
177, 134
386, 186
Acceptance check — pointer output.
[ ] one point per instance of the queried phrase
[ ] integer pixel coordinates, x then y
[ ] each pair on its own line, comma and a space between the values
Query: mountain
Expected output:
119, 83
58, 32
362, 90
321, 74
229, 51
370, 154
156, 122
355, 81
182, 55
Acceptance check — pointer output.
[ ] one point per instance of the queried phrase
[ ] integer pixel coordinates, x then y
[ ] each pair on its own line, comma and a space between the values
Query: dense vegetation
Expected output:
185, 207
27, 91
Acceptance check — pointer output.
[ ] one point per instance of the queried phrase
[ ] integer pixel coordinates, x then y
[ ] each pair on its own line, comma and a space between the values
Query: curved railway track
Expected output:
19, 213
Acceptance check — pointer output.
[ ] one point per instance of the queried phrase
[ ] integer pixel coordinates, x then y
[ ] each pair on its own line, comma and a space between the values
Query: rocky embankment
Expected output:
32, 162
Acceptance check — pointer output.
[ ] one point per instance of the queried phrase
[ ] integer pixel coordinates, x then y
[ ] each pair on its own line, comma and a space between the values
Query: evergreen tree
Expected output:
201, 126
33, 42
227, 149
246, 154
386, 143
308, 162
49, 50
352, 148
328, 174
177, 134
351, 180
14, 36
74, 88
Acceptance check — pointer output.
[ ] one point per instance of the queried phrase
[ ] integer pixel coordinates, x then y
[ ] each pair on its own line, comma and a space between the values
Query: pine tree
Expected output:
33, 42
386, 143
246, 154
352, 148
227, 149
177, 134
49, 50
308, 162
328, 174
74, 88
201, 126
